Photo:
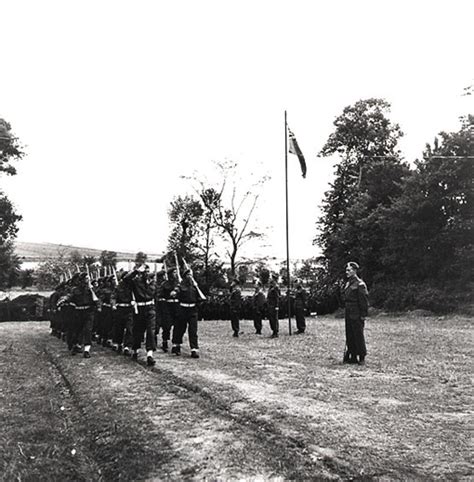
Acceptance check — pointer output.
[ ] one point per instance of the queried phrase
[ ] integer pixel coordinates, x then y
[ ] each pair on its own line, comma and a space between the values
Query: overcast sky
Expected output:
115, 100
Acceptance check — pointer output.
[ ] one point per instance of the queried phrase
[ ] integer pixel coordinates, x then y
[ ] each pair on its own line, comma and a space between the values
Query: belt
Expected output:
83, 307
172, 301
188, 305
145, 303
124, 304
161, 299
107, 304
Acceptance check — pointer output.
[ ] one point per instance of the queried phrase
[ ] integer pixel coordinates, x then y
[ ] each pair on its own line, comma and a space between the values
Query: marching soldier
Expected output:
189, 295
273, 300
143, 289
169, 304
235, 302
122, 311
84, 300
258, 308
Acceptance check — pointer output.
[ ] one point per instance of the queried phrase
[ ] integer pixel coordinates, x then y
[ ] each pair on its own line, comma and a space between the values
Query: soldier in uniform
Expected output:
356, 299
273, 300
84, 300
123, 316
258, 308
189, 295
107, 299
169, 304
235, 305
300, 308
143, 287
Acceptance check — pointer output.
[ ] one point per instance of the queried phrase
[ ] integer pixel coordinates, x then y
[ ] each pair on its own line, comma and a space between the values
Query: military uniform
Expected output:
273, 300
123, 317
235, 305
84, 303
258, 310
143, 287
170, 306
356, 304
300, 308
188, 297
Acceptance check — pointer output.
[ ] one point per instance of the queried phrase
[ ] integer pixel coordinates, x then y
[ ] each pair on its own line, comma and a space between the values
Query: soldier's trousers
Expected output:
123, 326
82, 327
235, 321
68, 314
107, 323
273, 319
300, 319
187, 319
170, 312
355, 337
144, 323
257, 322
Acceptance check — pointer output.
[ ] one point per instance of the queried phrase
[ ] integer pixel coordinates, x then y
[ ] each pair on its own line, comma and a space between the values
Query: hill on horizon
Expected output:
38, 252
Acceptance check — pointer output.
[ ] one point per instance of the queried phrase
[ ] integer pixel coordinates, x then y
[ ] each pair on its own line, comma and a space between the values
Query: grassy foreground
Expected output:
249, 408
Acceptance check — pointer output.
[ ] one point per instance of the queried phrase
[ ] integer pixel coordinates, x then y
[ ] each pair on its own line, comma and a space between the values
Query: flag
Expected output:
295, 149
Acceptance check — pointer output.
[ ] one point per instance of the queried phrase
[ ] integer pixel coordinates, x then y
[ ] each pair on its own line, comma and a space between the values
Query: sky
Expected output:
116, 101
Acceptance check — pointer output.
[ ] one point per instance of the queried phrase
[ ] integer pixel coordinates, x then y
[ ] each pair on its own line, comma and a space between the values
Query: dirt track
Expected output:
249, 408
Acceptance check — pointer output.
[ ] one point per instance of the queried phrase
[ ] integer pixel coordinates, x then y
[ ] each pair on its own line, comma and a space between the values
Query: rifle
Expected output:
166, 269
115, 276
94, 296
177, 267
201, 294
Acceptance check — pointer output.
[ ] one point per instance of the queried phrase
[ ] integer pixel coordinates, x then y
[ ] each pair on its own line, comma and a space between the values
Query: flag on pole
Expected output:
294, 148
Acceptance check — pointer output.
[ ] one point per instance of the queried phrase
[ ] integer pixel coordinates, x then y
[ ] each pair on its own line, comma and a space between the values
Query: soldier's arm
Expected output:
363, 298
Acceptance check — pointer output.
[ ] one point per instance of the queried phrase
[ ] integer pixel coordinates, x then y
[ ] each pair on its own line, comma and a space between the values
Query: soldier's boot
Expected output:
194, 353
236, 334
164, 346
176, 349
126, 351
150, 361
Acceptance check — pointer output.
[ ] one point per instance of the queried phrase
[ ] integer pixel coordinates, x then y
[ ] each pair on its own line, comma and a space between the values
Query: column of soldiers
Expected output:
121, 310
126, 309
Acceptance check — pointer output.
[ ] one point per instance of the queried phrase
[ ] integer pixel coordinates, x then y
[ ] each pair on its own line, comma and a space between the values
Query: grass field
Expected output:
249, 408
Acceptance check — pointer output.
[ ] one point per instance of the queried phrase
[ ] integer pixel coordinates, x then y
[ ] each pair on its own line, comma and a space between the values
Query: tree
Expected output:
430, 225
10, 151
231, 210
185, 216
368, 176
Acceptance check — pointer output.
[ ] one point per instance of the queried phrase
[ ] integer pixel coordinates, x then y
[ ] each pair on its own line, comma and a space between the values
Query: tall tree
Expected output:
367, 177
10, 148
431, 223
231, 209
185, 215
10, 151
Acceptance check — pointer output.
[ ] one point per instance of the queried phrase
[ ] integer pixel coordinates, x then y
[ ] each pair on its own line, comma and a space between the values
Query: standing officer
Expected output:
356, 299
300, 308
143, 287
273, 300
235, 303
189, 295
258, 308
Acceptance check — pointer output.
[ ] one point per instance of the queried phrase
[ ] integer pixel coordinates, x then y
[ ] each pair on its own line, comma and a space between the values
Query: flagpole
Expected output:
287, 230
